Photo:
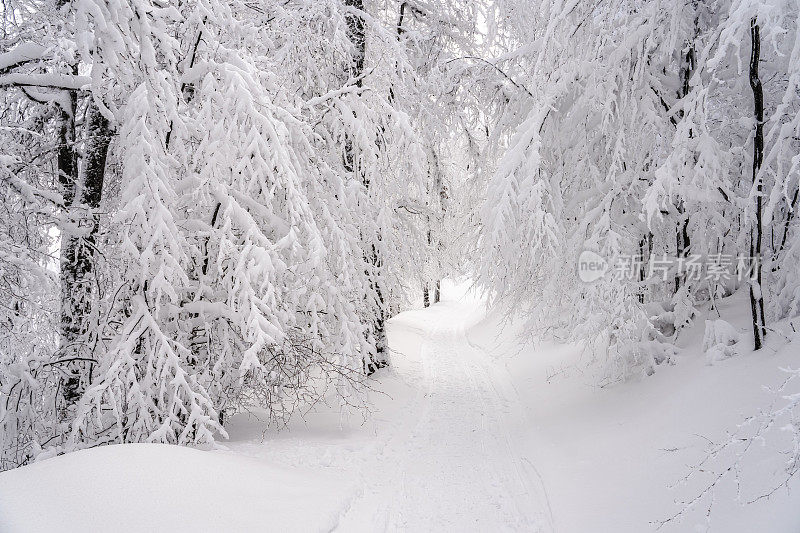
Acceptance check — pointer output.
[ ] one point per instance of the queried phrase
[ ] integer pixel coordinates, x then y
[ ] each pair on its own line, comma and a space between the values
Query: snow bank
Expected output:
155, 487
612, 458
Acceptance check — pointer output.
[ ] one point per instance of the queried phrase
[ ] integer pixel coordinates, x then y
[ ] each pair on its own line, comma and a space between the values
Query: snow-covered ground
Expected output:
612, 458
471, 431
157, 487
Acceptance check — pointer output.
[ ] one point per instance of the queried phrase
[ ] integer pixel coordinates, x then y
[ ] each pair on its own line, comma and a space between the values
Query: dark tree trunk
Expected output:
683, 244
440, 191
645, 251
78, 244
67, 180
355, 28
786, 224
426, 292
67, 158
756, 294
97, 142
70, 317
357, 35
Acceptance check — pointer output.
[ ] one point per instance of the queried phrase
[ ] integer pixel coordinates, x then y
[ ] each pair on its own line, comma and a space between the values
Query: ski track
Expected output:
454, 466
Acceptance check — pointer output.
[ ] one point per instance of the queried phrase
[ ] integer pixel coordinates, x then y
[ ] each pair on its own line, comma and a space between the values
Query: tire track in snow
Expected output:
456, 468
526, 470
492, 376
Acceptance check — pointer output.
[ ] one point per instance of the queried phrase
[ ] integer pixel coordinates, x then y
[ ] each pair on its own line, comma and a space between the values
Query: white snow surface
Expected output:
158, 487
471, 430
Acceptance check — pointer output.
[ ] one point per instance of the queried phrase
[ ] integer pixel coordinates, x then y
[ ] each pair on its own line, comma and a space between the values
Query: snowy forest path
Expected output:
451, 464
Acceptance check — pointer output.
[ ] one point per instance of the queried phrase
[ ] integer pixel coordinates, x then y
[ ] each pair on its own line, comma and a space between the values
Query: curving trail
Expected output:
452, 463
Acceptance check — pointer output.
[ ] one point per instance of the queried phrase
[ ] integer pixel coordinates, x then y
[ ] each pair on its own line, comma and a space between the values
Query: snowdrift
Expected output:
156, 487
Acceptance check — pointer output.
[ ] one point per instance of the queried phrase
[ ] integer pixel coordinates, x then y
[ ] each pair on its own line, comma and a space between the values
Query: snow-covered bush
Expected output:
719, 340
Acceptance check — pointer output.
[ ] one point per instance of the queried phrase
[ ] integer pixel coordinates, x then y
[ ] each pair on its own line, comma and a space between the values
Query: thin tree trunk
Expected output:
756, 294
356, 29
786, 224
426, 298
77, 257
357, 34
683, 243
644, 254
441, 192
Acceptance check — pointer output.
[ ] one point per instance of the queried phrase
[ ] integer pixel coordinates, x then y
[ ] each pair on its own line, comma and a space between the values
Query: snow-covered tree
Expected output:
633, 145
238, 196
